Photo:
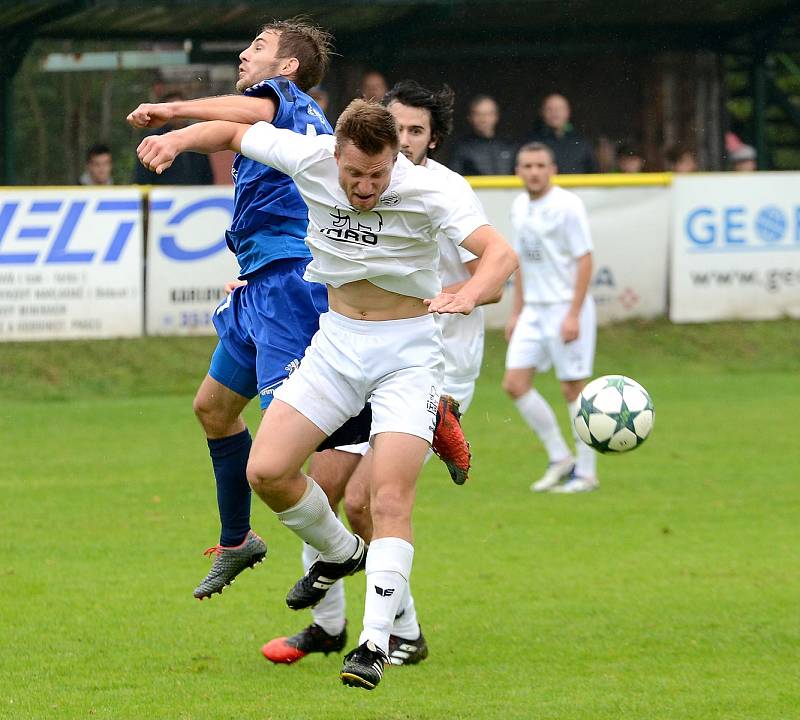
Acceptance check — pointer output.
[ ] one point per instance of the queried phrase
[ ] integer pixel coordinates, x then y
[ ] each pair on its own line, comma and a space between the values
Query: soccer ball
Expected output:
615, 414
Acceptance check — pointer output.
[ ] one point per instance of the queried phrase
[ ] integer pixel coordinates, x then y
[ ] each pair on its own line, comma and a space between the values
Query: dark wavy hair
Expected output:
439, 104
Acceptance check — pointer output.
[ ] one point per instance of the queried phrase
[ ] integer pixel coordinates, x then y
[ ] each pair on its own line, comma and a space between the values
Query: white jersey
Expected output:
393, 245
462, 334
550, 234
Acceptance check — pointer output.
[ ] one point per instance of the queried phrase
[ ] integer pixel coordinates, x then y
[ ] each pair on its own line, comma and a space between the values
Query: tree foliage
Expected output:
59, 115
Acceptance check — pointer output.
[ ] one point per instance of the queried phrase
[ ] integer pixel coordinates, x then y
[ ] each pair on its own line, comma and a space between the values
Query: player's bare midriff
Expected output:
361, 300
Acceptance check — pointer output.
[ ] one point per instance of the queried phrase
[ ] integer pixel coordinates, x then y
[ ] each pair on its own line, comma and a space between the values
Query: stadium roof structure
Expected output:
364, 23
369, 29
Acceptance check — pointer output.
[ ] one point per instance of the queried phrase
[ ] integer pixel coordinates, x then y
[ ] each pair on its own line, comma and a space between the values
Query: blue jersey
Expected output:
270, 218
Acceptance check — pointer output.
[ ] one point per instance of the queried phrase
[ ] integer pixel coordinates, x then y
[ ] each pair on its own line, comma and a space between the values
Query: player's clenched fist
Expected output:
157, 152
150, 115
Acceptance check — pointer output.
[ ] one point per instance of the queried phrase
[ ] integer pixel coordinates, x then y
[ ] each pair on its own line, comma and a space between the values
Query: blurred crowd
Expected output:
484, 151
481, 150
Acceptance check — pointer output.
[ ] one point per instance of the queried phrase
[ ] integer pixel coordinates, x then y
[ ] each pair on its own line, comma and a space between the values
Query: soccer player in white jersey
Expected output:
424, 119
373, 220
553, 319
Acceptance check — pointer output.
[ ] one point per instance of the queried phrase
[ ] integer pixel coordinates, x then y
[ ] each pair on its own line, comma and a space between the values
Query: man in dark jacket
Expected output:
573, 152
481, 152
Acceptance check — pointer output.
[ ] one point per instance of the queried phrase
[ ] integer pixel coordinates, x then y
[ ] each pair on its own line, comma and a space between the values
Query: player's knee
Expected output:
515, 387
206, 413
216, 419
357, 511
571, 389
391, 504
265, 474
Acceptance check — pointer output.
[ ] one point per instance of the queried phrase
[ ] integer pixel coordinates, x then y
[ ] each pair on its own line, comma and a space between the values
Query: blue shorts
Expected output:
264, 328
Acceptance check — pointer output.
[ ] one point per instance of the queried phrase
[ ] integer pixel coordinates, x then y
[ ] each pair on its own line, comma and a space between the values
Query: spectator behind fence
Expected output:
373, 86
630, 158
98, 166
481, 152
744, 159
681, 158
572, 151
188, 168
321, 97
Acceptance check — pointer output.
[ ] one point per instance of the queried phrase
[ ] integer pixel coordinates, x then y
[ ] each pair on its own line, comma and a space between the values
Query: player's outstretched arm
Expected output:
497, 261
157, 152
233, 108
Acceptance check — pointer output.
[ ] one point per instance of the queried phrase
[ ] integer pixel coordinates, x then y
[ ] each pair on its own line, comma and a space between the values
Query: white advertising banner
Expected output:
188, 260
735, 247
629, 228
70, 263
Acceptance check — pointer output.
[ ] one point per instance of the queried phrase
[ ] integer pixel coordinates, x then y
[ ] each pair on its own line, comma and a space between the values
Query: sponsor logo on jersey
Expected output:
352, 227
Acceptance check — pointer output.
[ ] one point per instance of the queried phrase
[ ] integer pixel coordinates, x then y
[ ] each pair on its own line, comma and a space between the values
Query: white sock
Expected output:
406, 625
540, 416
585, 457
329, 614
313, 521
388, 569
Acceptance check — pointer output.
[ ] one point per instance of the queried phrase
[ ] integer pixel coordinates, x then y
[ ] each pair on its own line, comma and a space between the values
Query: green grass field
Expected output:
672, 592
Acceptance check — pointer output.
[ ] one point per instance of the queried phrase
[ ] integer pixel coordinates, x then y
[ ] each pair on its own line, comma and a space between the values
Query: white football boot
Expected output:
555, 472
576, 484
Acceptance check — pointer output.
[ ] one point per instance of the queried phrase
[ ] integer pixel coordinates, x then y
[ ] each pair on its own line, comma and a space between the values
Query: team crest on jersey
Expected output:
391, 199
359, 228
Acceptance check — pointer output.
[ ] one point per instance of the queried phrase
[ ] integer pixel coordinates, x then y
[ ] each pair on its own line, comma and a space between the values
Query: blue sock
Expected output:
229, 458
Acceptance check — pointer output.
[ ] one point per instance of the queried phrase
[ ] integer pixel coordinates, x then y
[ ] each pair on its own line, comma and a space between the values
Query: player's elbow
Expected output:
509, 260
495, 298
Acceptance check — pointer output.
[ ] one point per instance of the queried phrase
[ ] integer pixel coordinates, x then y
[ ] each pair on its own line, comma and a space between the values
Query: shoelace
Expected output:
216, 550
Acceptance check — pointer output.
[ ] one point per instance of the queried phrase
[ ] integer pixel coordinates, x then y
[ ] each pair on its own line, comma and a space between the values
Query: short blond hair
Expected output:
369, 126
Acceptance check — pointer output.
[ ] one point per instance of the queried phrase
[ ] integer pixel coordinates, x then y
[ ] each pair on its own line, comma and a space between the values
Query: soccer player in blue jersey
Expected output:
265, 325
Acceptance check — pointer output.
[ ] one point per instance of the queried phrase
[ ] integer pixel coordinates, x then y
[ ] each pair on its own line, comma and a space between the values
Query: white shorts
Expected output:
395, 364
536, 342
461, 390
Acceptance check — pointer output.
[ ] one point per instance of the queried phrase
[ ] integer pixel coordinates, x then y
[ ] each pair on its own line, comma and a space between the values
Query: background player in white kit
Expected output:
424, 120
373, 219
553, 318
